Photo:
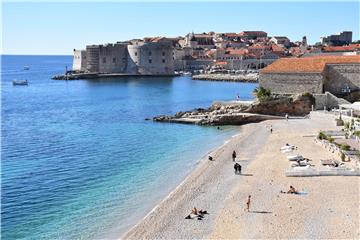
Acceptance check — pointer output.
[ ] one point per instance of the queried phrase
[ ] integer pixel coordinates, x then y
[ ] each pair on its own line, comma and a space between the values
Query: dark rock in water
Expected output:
162, 118
147, 119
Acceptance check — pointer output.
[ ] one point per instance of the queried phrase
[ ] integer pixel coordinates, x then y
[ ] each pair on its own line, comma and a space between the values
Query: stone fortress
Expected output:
138, 57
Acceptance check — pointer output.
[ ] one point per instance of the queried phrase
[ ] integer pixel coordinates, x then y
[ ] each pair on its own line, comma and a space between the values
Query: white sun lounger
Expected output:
295, 157
287, 147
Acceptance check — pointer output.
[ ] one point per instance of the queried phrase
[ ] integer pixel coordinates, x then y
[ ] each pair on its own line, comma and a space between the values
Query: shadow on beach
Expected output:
263, 212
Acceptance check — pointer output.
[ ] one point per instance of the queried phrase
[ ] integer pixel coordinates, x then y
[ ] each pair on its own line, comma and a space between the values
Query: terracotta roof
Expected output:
233, 51
314, 64
258, 47
276, 48
351, 47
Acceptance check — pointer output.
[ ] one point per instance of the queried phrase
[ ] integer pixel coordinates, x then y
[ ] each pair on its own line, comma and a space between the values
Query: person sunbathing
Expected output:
292, 190
195, 211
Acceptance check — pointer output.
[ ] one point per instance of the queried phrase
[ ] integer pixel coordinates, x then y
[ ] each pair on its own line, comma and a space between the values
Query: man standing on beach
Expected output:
248, 203
234, 155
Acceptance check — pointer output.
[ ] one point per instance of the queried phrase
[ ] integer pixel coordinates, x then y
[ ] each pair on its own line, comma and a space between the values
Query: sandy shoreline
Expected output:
330, 209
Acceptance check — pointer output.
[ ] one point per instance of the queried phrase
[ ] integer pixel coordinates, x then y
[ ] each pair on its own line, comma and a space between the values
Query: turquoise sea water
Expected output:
78, 159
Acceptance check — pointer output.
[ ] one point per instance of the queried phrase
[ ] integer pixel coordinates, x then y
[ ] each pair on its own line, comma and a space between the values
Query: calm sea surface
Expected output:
78, 159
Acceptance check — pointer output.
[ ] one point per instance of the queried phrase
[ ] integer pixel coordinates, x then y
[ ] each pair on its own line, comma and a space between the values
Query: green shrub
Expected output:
357, 133
347, 125
342, 156
331, 139
344, 147
262, 94
322, 136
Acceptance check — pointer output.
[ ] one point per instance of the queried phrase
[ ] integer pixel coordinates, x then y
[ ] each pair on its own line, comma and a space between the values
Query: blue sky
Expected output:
57, 28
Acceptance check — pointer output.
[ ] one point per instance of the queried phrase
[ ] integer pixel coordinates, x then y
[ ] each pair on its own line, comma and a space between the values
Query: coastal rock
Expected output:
298, 105
236, 113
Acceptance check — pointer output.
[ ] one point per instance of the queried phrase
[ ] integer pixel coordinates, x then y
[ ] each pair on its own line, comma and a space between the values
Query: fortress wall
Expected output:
113, 58
79, 60
151, 58
92, 58
341, 76
292, 83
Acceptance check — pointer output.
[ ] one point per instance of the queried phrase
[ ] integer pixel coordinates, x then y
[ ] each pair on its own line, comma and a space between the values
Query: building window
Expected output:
163, 60
163, 53
104, 60
114, 60
150, 53
150, 61
135, 53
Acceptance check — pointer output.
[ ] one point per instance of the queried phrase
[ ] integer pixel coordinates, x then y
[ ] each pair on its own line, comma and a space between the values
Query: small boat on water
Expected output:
26, 67
20, 82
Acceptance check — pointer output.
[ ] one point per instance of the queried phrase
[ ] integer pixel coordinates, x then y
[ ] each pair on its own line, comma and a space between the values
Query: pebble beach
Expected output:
327, 208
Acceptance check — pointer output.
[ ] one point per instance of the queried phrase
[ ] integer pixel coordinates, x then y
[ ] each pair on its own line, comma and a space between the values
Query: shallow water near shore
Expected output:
78, 158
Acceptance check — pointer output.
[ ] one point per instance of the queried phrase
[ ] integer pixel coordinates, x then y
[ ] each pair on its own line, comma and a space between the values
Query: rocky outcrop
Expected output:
237, 113
251, 77
298, 105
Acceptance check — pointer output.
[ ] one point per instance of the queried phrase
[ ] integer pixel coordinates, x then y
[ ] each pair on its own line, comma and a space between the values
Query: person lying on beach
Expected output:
291, 191
211, 158
196, 214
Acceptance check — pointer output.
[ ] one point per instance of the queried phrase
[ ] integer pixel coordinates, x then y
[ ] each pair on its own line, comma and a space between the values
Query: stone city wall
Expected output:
92, 58
79, 60
113, 58
151, 58
339, 77
292, 83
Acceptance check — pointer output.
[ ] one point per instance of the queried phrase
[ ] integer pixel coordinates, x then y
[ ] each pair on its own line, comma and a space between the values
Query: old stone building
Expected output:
148, 58
338, 39
79, 60
253, 34
338, 75
153, 56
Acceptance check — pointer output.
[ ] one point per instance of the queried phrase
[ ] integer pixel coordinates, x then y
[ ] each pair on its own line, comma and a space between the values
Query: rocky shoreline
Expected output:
239, 113
252, 77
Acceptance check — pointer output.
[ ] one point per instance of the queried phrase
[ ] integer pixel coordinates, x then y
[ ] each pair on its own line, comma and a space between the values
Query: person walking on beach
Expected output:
233, 156
271, 129
248, 203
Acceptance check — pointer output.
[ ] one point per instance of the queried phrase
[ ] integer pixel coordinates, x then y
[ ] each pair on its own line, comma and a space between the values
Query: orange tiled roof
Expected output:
351, 47
315, 64
233, 51
277, 48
